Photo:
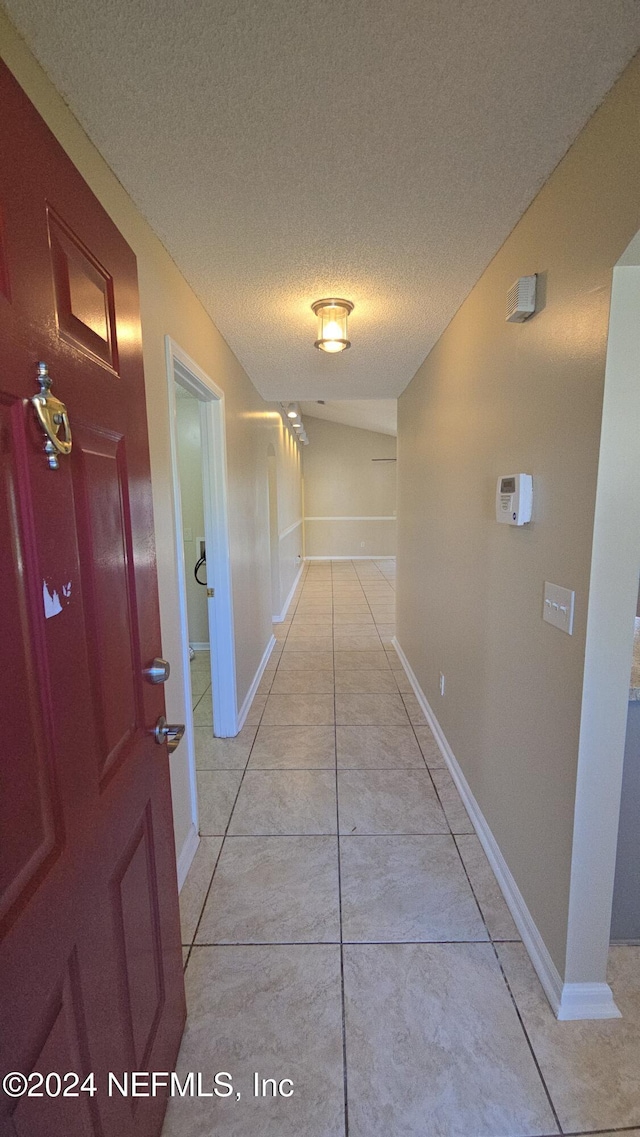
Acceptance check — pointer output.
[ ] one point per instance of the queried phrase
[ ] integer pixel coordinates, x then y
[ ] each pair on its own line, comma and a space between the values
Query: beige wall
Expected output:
168, 306
342, 482
496, 398
189, 446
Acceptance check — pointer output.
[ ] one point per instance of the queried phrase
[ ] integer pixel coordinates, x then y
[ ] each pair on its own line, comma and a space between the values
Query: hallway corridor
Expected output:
342, 927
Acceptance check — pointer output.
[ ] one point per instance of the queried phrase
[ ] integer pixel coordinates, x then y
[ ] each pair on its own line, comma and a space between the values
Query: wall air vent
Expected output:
521, 300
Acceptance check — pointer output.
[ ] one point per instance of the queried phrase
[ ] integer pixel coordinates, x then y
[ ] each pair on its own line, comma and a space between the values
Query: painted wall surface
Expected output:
495, 398
189, 444
289, 516
168, 306
350, 500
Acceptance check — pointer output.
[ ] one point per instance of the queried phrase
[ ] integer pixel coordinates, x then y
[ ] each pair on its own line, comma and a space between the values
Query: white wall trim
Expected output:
186, 855
571, 1000
393, 518
246, 706
199, 646
379, 557
285, 607
290, 529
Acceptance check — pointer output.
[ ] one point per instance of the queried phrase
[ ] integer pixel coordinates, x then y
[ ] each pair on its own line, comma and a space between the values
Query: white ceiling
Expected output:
286, 150
380, 415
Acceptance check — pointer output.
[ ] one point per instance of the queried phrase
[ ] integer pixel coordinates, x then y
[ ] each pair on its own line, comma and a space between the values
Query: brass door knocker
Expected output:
51, 414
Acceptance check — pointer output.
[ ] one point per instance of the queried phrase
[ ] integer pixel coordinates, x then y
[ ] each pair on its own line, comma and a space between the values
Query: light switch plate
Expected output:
558, 607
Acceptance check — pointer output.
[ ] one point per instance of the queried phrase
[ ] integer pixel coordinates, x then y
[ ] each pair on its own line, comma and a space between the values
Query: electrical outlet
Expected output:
441, 683
362, 544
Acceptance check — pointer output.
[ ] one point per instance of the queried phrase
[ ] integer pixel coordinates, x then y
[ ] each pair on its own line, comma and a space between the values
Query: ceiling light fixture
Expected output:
332, 324
292, 414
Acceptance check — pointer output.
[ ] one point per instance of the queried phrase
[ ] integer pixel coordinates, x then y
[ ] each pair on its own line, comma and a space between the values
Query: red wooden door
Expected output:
90, 958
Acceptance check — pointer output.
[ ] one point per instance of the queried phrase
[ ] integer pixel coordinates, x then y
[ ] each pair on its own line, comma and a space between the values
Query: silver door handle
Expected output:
169, 732
158, 670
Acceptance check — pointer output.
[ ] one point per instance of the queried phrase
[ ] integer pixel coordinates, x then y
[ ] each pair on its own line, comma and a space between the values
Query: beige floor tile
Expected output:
202, 662
217, 791
276, 1010
298, 710
265, 684
387, 802
592, 1069
274, 890
294, 747
430, 749
203, 712
308, 643
394, 661
303, 683
377, 747
356, 643
285, 802
362, 709
414, 710
356, 660
367, 630
194, 889
302, 630
456, 814
307, 661
200, 681
256, 710
404, 889
354, 622
365, 682
439, 1051
311, 620
483, 882
223, 753
403, 682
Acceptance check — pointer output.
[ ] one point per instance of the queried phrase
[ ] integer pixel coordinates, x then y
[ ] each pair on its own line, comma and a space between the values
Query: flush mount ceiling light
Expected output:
332, 324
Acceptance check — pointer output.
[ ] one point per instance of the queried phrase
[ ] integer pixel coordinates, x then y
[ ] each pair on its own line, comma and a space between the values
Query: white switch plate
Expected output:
558, 607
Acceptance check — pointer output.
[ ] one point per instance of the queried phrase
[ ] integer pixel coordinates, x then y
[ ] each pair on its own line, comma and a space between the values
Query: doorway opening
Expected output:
201, 534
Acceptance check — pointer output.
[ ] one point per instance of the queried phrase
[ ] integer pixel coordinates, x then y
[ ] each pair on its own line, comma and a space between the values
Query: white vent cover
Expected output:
521, 299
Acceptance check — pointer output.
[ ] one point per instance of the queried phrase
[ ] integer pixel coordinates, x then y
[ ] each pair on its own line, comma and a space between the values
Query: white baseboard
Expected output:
285, 606
568, 1000
200, 646
379, 557
244, 709
587, 1001
186, 855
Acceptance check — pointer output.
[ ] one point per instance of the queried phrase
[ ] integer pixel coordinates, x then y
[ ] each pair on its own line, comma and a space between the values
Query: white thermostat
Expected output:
514, 499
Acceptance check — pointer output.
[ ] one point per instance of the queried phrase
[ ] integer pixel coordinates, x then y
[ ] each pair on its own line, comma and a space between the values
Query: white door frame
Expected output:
613, 595
183, 370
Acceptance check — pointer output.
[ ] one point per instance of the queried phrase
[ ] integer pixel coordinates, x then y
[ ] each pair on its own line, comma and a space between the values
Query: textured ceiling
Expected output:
380, 415
286, 150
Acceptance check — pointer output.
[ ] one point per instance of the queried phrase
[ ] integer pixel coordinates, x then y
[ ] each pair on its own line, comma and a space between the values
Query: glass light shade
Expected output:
332, 324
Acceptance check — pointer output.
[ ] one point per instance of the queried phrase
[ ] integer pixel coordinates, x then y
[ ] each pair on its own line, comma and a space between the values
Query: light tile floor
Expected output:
342, 926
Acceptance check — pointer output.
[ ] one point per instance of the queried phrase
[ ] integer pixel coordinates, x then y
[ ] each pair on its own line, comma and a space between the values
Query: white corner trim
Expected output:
587, 1001
289, 529
568, 1000
285, 607
246, 706
186, 855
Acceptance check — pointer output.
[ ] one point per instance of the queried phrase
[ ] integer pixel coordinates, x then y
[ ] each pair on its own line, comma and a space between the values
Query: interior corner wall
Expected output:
349, 498
169, 306
496, 398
